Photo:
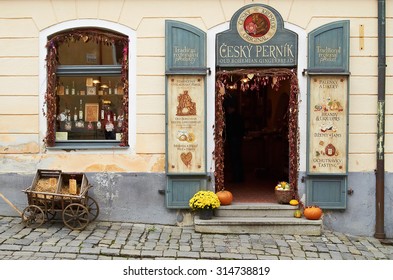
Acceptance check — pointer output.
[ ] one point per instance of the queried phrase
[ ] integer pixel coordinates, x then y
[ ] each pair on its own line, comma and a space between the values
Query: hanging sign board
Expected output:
328, 69
256, 38
185, 48
186, 124
185, 99
329, 48
328, 125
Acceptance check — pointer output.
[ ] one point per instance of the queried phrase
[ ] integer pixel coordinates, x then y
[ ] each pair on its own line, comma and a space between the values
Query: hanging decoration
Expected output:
254, 80
52, 62
219, 136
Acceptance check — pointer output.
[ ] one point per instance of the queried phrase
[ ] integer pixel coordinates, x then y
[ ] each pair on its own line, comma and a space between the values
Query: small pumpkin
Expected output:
297, 213
312, 212
225, 197
294, 202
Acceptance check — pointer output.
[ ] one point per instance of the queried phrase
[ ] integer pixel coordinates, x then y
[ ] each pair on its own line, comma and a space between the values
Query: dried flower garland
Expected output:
52, 62
260, 78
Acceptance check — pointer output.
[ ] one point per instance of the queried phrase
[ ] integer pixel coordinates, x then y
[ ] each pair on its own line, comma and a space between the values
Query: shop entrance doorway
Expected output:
256, 118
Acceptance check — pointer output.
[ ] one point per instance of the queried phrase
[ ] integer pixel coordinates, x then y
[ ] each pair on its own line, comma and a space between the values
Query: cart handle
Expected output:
10, 204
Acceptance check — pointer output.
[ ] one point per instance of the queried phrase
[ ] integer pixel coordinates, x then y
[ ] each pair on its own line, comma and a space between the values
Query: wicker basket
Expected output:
283, 196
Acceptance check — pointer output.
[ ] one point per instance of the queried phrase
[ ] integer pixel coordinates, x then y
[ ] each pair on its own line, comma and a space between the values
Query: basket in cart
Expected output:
54, 192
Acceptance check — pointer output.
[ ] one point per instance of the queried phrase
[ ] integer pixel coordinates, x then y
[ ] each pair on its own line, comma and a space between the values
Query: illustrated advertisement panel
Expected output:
186, 124
328, 125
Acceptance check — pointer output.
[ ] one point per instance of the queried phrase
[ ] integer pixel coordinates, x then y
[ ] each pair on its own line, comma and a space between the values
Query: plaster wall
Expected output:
20, 68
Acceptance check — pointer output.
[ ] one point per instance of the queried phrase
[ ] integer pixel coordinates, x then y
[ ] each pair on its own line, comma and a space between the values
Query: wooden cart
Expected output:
54, 192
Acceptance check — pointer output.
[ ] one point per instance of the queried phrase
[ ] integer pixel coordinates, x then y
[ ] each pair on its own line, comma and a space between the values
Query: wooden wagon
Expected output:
56, 193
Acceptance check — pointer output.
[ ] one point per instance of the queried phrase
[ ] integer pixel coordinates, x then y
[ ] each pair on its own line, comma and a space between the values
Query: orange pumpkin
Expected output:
225, 197
312, 212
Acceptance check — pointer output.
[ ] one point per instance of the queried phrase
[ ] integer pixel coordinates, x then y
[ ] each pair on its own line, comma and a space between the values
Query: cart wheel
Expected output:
93, 208
33, 216
76, 216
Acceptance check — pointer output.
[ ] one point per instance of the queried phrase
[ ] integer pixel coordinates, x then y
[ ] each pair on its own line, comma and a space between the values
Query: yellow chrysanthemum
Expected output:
204, 200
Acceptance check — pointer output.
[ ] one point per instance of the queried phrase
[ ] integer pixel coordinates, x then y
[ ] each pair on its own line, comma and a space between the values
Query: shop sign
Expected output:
328, 125
329, 48
256, 37
185, 48
186, 124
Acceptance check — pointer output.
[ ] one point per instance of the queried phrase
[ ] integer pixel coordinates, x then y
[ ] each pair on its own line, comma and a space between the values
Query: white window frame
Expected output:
83, 23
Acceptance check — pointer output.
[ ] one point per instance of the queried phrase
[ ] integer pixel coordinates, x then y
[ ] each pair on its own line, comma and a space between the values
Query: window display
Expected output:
87, 90
93, 112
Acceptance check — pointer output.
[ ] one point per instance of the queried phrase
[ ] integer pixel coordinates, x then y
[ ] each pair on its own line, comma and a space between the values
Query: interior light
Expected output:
244, 80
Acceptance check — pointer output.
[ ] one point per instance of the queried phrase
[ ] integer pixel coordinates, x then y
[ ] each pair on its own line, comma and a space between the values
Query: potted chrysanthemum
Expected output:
204, 202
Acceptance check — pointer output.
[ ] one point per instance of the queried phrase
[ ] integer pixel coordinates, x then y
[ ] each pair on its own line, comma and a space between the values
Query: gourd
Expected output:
225, 197
297, 213
293, 202
312, 212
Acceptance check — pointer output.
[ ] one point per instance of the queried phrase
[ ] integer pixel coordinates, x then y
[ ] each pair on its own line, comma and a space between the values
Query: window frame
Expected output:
55, 70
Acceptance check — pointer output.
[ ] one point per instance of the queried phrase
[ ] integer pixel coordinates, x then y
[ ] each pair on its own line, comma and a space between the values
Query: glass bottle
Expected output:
75, 114
110, 88
102, 113
73, 88
80, 110
67, 90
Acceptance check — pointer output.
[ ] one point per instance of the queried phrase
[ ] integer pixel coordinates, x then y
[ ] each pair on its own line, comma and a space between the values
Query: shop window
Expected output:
87, 89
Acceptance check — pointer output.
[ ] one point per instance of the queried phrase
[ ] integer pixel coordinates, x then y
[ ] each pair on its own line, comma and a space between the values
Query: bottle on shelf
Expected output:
67, 90
73, 88
75, 114
60, 90
102, 113
80, 110
110, 88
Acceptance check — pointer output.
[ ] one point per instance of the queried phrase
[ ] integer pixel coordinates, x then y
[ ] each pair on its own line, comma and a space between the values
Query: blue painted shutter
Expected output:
179, 36
180, 189
327, 192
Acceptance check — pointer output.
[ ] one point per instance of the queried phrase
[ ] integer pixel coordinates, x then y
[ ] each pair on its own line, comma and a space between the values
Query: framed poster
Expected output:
91, 112
91, 90
328, 119
186, 124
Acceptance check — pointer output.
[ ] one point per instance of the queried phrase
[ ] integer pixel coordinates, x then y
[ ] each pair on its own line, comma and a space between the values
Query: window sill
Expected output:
85, 145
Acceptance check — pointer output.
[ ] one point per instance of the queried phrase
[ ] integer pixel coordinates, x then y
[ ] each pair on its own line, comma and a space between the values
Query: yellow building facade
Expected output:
133, 177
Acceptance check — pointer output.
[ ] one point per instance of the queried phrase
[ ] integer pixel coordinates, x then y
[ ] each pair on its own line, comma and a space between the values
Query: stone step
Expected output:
258, 225
270, 218
255, 210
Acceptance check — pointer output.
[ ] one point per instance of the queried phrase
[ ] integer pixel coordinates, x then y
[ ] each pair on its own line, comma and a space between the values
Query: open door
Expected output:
256, 131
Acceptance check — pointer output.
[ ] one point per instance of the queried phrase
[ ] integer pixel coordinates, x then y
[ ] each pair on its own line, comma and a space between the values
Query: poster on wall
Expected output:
186, 124
328, 125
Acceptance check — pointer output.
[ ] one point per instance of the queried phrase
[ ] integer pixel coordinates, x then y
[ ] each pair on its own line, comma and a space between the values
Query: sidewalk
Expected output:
121, 241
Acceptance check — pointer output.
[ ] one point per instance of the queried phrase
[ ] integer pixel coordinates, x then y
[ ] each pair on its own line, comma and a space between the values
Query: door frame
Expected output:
302, 99
267, 75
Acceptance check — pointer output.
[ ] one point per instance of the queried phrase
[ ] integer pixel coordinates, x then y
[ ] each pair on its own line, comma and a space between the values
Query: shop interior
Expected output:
254, 163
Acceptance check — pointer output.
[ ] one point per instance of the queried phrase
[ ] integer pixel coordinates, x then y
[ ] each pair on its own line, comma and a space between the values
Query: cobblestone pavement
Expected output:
121, 241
